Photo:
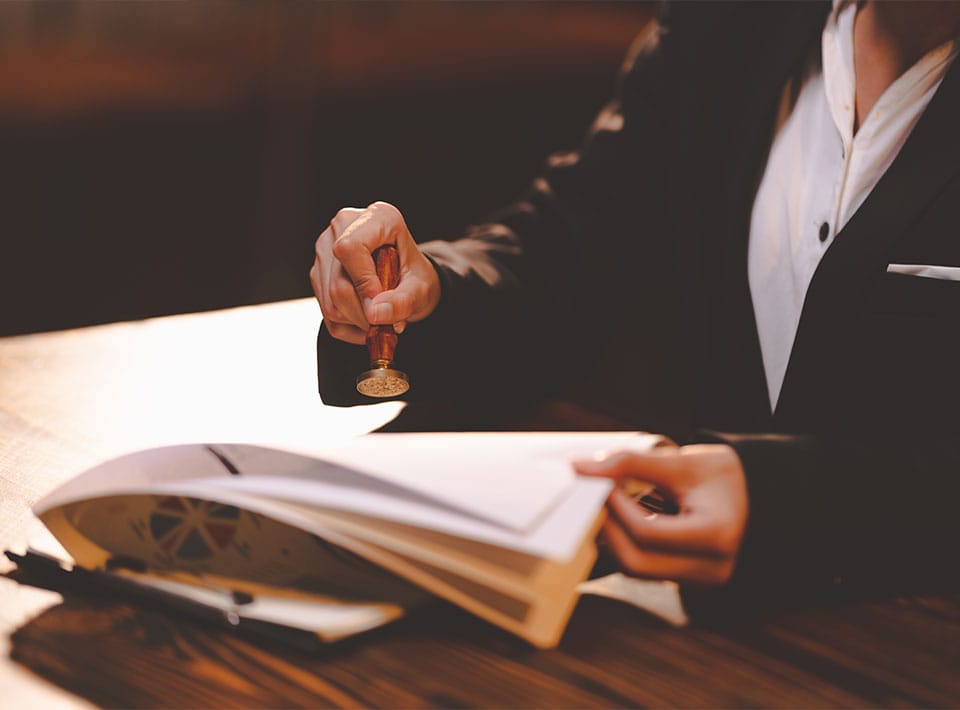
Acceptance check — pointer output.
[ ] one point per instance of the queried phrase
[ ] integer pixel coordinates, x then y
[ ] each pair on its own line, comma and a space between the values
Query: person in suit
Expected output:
783, 181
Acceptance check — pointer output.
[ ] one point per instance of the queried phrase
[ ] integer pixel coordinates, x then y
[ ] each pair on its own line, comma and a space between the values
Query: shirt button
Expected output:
824, 231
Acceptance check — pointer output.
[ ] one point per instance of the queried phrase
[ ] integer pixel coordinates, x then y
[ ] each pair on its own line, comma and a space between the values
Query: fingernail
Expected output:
585, 465
399, 327
382, 313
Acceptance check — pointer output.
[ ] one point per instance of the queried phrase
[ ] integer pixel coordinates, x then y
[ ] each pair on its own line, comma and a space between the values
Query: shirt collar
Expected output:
839, 78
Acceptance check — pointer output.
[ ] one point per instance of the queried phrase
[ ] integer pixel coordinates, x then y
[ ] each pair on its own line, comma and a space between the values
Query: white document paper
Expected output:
511, 480
556, 536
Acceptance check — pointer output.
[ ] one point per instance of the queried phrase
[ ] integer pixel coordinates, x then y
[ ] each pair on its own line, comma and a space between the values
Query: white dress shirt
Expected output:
818, 174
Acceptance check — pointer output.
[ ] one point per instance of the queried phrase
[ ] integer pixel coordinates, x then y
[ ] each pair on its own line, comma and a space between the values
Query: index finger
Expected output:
664, 468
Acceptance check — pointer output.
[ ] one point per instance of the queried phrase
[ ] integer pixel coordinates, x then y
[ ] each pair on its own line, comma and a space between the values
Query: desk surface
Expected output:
70, 399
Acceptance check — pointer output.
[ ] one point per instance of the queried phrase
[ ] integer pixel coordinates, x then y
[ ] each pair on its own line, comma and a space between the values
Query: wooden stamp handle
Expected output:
381, 339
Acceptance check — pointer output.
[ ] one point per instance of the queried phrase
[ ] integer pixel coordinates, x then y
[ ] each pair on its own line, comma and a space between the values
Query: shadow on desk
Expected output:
885, 653
119, 655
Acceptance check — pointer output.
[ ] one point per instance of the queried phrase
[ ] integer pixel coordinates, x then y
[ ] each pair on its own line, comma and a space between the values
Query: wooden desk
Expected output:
69, 399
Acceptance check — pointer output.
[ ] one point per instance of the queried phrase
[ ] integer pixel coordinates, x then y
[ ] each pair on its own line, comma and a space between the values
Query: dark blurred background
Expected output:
161, 157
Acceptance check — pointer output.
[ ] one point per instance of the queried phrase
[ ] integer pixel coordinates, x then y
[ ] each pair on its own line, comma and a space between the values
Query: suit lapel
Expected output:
783, 45
857, 258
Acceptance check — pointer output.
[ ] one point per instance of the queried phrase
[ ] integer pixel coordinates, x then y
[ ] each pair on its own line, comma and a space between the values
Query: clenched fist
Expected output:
344, 277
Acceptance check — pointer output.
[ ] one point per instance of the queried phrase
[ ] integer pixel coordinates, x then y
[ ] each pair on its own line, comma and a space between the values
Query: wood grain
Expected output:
69, 399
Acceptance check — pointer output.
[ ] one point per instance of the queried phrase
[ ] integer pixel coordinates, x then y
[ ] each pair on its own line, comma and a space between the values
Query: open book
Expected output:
351, 535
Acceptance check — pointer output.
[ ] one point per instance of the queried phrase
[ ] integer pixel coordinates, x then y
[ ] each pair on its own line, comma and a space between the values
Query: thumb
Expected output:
395, 305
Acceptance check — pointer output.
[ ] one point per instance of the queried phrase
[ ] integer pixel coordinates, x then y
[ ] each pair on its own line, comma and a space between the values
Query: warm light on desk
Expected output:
246, 374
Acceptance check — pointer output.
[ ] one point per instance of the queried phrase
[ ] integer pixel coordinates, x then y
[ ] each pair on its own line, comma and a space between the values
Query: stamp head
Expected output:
382, 382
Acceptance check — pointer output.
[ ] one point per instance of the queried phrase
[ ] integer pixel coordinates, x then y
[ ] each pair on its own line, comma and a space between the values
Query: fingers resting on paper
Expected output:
701, 542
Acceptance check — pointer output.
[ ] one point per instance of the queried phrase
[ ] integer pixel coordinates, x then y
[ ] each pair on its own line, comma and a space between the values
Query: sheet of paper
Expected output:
556, 536
244, 375
658, 597
510, 480
331, 619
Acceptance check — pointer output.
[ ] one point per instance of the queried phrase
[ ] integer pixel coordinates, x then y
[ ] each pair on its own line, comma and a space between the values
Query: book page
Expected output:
509, 480
556, 535
521, 575
204, 539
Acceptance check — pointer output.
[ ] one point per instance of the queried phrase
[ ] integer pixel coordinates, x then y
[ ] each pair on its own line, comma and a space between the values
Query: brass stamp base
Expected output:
382, 382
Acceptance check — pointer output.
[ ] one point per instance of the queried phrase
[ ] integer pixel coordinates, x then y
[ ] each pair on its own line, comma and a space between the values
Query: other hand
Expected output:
344, 277
698, 545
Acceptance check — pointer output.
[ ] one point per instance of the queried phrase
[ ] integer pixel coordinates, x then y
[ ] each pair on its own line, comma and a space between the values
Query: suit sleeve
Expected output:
516, 290
833, 516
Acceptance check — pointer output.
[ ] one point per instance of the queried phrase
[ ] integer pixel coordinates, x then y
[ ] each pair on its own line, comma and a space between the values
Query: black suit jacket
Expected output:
854, 479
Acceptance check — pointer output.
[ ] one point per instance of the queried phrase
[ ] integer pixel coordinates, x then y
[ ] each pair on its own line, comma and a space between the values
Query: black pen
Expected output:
83, 581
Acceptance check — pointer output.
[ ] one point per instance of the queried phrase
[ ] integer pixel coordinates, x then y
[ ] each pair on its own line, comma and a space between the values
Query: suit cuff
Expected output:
787, 553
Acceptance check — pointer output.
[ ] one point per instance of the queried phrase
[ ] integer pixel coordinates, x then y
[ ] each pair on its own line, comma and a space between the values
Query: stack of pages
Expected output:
351, 535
